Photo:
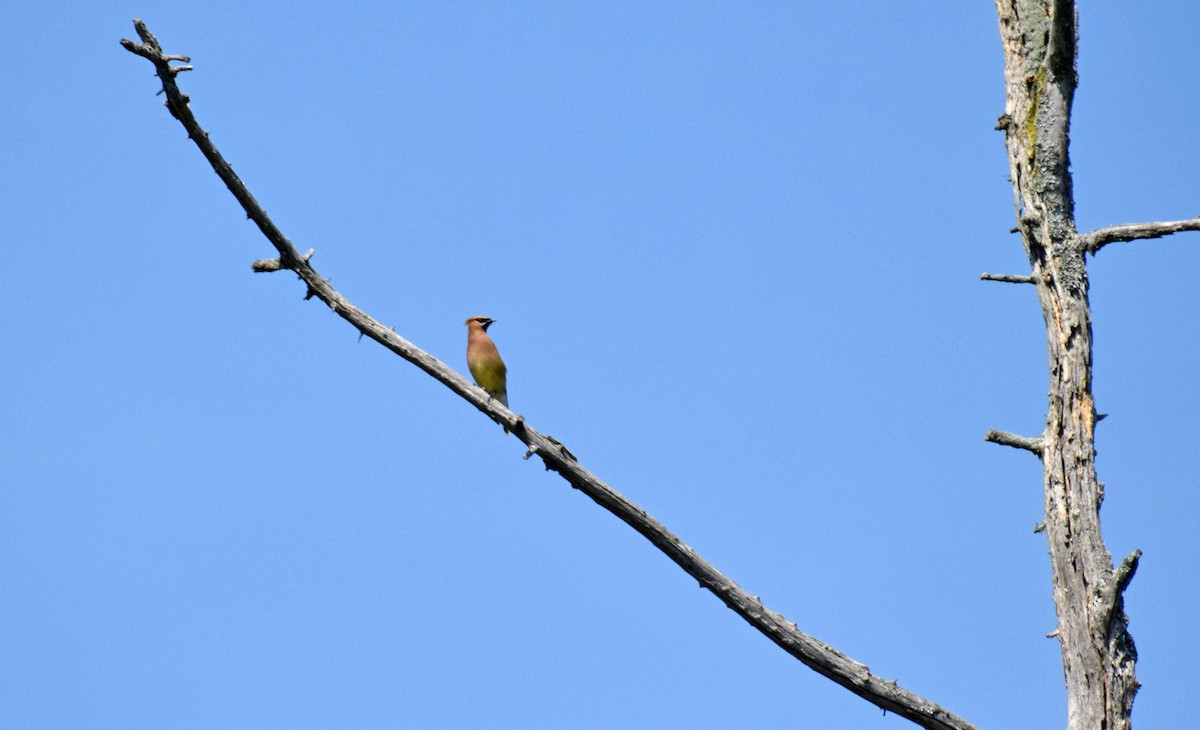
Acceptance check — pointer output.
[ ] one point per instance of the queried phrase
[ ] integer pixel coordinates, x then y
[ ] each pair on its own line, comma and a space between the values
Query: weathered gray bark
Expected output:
1039, 38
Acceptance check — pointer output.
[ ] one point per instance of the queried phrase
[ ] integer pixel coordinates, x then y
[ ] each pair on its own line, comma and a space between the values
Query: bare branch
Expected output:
1101, 237
813, 653
1004, 438
1009, 278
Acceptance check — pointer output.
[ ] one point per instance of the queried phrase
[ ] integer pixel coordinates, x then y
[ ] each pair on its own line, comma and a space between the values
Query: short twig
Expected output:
1010, 278
1124, 572
267, 265
1004, 438
1114, 595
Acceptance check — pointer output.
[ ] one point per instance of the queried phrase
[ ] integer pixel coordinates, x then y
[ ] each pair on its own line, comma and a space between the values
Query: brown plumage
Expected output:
484, 360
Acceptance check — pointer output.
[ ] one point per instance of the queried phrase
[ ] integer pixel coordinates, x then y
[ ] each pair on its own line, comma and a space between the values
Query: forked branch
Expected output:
818, 656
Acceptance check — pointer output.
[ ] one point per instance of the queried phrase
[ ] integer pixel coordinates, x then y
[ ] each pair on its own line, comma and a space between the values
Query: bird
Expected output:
483, 359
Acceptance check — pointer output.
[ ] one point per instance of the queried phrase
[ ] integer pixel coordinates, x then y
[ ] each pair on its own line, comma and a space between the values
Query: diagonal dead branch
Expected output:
815, 654
1101, 237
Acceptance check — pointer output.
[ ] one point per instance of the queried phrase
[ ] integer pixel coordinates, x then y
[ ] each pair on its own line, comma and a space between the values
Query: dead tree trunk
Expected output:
1039, 38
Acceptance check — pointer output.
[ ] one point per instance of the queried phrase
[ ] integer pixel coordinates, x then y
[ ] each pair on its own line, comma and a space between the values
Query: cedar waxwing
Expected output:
484, 359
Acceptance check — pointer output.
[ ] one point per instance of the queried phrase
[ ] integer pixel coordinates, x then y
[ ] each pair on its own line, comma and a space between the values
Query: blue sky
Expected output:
733, 254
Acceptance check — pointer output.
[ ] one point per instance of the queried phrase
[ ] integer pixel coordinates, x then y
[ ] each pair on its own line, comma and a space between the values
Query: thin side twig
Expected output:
1004, 438
1009, 278
1101, 237
815, 654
